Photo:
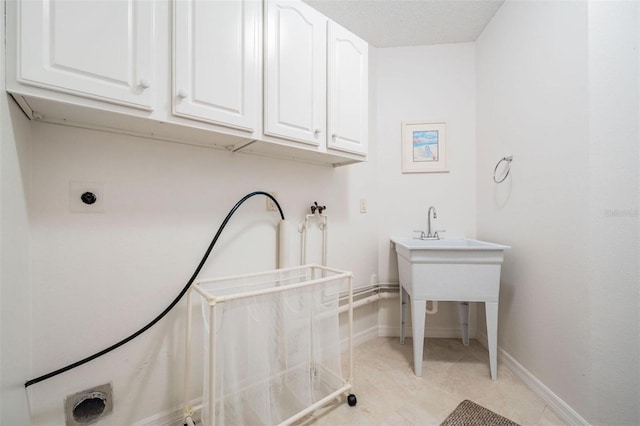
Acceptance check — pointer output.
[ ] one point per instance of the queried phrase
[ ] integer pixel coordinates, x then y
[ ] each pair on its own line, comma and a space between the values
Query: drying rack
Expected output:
272, 351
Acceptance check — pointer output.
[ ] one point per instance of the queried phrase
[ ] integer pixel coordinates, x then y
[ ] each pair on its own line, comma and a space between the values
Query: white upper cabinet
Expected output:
267, 77
316, 80
102, 49
347, 91
295, 72
216, 61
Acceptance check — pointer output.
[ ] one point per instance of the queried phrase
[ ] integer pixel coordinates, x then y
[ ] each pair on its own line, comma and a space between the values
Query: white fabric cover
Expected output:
275, 353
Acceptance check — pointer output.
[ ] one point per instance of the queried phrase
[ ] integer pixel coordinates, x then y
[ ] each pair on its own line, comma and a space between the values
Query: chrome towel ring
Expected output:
508, 159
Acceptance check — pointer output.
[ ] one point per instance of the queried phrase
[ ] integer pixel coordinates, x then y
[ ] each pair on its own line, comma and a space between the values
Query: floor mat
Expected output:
469, 413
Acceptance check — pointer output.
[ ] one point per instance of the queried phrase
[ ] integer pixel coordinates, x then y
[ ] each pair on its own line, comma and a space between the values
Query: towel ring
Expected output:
508, 159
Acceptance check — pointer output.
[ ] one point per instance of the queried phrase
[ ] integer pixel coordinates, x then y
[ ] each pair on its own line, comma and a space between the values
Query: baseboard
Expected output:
553, 401
440, 332
359, 338
174, 417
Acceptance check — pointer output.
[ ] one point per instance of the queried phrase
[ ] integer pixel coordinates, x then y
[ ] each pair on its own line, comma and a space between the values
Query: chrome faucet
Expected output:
435, 216
430, 235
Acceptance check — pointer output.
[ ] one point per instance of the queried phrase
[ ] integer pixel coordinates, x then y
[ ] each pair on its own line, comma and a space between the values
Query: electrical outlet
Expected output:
363, 205
271, 206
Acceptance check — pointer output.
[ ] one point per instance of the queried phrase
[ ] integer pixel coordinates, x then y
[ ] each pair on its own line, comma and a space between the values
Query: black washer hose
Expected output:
168, 308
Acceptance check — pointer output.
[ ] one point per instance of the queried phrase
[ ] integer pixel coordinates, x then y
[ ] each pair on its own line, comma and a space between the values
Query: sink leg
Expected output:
463, 314
491, 309
418, 313
403, 312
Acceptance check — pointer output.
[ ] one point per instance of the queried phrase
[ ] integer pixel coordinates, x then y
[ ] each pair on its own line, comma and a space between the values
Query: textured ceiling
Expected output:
393, 23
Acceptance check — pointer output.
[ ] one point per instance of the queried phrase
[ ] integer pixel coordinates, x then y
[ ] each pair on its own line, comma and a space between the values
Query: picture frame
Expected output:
424, 147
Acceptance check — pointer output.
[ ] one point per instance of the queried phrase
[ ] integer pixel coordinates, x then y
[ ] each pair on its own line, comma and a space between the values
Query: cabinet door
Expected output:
216, 64
295, 72
100, 49
348, 89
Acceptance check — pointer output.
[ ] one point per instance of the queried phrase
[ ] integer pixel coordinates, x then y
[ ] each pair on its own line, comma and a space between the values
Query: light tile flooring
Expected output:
389, 393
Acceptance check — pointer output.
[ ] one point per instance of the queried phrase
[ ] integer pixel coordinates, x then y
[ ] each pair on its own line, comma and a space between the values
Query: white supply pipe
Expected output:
387, 295
285, 231
323, 227
367, 300
323, 220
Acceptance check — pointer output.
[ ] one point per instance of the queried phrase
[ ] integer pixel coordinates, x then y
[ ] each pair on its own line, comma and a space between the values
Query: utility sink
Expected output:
449, 243
451, 250
449, 269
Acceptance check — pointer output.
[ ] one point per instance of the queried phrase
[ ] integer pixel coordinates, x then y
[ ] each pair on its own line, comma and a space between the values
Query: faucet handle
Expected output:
422, 234
436, 234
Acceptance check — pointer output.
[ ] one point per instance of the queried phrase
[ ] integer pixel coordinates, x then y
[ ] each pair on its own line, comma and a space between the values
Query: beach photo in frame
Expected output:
424, 147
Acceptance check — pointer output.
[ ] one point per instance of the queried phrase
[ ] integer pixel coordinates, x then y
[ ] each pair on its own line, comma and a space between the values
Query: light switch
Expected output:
363, 205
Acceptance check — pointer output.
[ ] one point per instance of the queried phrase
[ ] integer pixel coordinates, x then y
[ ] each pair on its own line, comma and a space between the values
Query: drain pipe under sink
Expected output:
434, 307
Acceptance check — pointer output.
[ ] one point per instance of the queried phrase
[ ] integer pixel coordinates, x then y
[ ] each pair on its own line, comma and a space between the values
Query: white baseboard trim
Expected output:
173, 417
359, 338
553, 401
441, 332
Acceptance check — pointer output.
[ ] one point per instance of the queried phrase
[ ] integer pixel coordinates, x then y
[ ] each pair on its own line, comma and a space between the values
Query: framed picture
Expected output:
424, 147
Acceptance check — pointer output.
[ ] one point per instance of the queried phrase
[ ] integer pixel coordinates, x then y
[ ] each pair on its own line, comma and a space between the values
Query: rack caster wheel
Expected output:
352, 400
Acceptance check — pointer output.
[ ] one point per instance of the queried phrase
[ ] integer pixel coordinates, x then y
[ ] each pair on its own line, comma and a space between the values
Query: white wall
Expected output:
101, 276
569, 116
614, 191
15, 288
15, 322
429, 83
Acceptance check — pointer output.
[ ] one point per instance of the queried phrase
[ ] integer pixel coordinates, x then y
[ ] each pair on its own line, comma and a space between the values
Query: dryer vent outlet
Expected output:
88, 406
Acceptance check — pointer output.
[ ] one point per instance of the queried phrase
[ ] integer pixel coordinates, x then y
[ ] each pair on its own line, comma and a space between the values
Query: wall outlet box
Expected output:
87, 197
271, 206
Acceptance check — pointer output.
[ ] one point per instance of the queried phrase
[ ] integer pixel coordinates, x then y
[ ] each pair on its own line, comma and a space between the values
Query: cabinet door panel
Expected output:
98, 49
347, 91
295, 72
216, 47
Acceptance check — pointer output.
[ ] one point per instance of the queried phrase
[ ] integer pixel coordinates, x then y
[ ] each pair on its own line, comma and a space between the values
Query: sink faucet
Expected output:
430, 235
435, 216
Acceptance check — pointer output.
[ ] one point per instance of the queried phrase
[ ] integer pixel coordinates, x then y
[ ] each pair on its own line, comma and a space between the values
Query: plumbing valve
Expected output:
317, 207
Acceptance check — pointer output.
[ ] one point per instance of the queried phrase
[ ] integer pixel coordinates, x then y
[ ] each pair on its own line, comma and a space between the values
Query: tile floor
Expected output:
389, 393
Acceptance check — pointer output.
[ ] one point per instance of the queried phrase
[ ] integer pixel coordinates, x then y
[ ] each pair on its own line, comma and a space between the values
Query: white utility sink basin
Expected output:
449, 269
446, 243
